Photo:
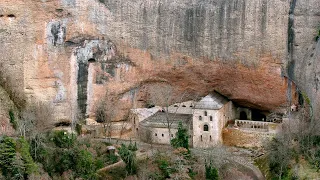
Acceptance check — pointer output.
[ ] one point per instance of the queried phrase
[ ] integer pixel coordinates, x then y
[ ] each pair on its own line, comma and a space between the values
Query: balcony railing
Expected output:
256, 125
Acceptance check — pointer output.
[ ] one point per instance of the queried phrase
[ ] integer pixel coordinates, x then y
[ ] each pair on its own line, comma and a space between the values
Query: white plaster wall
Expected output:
165, 139
188, 109
220, 118
159, 139
214, 128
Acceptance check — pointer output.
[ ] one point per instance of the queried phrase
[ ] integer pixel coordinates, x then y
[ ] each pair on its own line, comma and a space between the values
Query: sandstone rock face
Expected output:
71, 52
6, 127
304, 51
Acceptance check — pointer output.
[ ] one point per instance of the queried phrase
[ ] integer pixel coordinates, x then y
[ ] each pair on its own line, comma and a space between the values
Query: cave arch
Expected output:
243, 115
91, 60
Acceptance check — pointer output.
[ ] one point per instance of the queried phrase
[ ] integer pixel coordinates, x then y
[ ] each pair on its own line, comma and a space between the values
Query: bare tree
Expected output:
148, 137
163, 95
106, 112
124, 126
35, 120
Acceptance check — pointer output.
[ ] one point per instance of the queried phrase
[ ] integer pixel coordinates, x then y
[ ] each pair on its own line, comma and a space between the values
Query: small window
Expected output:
211, 118
205, 113
200, 118
184, 106
137, 129
175, 105
210, 138
205, 127
171, 135
155, 134
11, 16
134, 120
162, 135
191, 105
201, 137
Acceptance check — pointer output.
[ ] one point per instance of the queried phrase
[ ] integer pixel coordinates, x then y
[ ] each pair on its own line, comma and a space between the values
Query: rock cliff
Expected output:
71, 52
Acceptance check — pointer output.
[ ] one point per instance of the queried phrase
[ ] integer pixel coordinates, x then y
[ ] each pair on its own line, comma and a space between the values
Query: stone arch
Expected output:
243, 115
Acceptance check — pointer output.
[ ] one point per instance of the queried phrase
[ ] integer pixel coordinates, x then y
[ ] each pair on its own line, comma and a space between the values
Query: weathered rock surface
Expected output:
70, 52
304, 51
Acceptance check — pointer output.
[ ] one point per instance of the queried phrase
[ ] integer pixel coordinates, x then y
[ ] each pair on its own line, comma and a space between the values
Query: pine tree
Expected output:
181, 139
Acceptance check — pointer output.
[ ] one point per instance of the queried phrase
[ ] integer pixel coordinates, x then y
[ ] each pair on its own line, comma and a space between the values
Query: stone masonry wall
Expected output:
242, 138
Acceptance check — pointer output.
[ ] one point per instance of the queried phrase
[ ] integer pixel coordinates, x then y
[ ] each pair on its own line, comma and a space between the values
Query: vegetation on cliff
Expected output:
297, 146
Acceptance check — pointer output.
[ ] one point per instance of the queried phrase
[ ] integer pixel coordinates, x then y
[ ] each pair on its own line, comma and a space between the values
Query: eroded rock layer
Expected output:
71, 52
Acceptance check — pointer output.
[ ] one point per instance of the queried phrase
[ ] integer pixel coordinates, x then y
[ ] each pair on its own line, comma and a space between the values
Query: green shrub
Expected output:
165, 166
23, 148
63, 139
132, 147
79, 128
85, 165
182, 138
318, 35
63, 160
191, 173
13, 119
129, 157
211, 172
7, 156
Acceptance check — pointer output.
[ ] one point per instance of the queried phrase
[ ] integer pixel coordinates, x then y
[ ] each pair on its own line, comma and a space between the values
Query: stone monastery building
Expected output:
204, 120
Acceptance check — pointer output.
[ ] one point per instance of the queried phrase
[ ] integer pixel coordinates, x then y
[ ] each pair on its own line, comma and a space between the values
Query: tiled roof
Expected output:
159, 119
211, 101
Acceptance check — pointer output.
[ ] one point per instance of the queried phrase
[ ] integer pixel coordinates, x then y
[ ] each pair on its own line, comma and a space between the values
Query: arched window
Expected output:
184, 106
205, 127
205, 113
200, 118
162, 135
211, 118
175, 105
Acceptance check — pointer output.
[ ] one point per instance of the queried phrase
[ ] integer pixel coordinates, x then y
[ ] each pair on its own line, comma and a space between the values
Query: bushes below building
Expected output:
15, 159
57, 154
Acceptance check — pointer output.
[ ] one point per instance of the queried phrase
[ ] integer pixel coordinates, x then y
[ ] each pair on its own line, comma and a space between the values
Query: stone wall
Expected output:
212, 137
245, 138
